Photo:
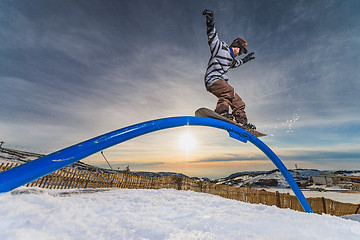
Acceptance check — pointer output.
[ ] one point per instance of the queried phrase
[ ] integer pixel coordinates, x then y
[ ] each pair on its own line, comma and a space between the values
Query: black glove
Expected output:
248, 57
209, 18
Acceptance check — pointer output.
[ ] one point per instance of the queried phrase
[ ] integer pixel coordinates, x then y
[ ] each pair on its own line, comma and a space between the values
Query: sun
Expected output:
187, 141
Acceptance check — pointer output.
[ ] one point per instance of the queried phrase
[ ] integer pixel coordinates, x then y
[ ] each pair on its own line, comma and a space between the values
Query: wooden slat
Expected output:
53, 179
96, 182
64, 178
111, 179
121, 181
80, 178
86, 180
1, 166
122, 184
118, 178
103, 179
45, 180
59, 176
69, 180
39, 182
99, 180
6, 166
93, 183
138, 182
75, 179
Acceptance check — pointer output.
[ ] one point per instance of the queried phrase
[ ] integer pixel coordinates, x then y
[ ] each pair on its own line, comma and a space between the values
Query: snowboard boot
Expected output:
228, 115
243, 122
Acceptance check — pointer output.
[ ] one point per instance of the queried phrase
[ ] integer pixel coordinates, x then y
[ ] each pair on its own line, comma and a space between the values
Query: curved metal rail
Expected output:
30, 171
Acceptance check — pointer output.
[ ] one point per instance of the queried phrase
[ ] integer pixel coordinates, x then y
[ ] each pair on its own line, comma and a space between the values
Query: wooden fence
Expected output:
67, 178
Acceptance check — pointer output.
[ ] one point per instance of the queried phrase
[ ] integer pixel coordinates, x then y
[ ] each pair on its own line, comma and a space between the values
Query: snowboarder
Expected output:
221, 60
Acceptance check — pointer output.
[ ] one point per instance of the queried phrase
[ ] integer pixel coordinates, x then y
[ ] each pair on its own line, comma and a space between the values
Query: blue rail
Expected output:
30, 171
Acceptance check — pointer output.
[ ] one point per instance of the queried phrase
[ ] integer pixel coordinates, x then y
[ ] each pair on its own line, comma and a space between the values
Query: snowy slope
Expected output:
158, 214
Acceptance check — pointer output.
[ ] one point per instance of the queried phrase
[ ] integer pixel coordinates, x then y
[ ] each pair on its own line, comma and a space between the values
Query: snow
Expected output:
355, 217
156, 214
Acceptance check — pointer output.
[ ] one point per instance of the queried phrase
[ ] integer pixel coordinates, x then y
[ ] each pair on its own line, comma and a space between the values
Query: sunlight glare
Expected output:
187, 142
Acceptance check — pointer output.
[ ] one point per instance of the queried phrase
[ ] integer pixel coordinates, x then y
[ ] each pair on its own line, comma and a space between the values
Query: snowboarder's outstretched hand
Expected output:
209, 18
248, 57
208, 12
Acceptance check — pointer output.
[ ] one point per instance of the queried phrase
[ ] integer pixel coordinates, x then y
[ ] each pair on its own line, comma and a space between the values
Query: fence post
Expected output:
278, 202
357, 210
324, 204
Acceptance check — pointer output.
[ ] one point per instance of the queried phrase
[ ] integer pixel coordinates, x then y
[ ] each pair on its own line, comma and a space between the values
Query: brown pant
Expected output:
227, 97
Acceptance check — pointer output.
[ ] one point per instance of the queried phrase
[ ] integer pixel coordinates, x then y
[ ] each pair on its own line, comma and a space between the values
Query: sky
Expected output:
73, 70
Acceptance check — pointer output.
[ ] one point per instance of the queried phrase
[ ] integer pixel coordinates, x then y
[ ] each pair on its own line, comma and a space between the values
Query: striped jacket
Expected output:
221, 60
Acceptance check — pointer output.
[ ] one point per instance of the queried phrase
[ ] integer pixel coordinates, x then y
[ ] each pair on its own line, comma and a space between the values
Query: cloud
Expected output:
231, 158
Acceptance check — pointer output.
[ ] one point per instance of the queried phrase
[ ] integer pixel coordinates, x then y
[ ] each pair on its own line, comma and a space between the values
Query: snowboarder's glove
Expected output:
248, 57
209, 18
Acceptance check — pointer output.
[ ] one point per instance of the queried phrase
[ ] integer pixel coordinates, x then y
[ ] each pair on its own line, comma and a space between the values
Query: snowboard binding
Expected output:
249, 125
228, 116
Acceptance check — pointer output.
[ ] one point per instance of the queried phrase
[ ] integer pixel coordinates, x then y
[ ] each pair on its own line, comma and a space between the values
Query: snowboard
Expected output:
204, 112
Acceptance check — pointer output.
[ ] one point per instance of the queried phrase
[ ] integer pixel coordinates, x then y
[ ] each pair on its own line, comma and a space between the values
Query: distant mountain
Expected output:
262, 178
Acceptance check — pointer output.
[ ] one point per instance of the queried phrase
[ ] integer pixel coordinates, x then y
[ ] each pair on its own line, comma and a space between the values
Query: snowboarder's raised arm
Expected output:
213, 40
